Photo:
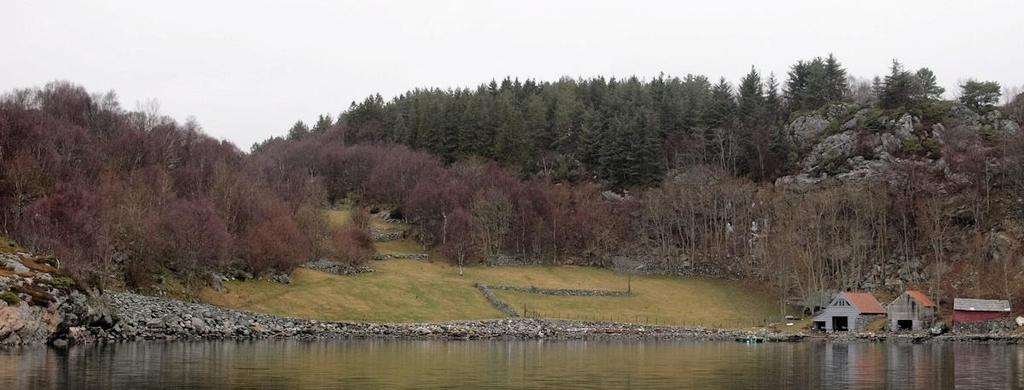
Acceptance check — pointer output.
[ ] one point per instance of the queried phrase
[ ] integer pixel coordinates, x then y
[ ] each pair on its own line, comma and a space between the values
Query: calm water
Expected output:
526, 364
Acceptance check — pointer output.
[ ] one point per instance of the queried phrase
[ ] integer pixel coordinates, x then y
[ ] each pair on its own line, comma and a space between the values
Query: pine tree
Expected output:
835, 80
797, 86
722, 107
772, 103
298, 131
897, 88
926, 85
323, 123
818, 88
750, 99
511, 141
980, 96
536, 117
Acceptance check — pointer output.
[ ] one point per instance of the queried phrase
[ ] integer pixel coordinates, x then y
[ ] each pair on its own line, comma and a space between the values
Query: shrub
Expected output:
351, 245
62, 282
935, 111
873, 119
360, 219
923, 147
10, 297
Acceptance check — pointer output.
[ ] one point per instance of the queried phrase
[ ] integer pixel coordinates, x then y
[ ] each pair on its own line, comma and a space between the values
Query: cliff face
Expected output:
953, 187
39, 304
844, 142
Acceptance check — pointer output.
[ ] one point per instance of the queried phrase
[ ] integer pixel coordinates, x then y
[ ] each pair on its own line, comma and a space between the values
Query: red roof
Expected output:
921, 298
865, 303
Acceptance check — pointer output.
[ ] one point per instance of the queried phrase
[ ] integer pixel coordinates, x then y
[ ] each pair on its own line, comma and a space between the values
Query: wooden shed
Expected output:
973, 310
912, 310
849, 311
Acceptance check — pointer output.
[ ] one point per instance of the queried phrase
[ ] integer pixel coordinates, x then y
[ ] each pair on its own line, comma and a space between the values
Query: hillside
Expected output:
400, 290
808, 185
415, 291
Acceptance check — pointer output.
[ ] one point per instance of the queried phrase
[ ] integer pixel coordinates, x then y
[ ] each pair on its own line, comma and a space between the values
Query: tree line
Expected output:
629, 132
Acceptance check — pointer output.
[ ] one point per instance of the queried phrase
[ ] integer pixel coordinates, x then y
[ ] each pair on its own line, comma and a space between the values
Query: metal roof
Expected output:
969, 304
921, 298
864, 302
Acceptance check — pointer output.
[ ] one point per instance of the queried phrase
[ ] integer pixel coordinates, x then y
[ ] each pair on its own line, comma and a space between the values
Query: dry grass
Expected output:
398, 247
400, 291
409, 291
343, 216
660, 300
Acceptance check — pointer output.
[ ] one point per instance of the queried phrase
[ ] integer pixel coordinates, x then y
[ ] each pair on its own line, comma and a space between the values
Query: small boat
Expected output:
751, 339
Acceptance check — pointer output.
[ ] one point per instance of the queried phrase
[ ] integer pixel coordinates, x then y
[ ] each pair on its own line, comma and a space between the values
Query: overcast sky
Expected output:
248, 69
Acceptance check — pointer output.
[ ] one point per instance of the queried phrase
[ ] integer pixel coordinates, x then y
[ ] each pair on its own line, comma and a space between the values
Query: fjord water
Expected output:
513, 364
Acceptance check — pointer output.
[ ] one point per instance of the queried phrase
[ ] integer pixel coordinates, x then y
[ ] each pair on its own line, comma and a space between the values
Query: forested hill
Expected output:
628, 132
814, 183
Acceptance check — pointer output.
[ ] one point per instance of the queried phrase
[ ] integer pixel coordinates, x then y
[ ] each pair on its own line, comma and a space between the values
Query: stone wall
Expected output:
387, 235
499, 304
567, 292
337, 268
401, 256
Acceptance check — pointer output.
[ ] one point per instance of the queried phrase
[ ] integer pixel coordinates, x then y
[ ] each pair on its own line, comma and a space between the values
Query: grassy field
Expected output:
413, 290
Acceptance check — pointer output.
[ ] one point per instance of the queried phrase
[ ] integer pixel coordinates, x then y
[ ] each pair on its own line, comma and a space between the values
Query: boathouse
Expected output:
849, 311
912, 310
973, 310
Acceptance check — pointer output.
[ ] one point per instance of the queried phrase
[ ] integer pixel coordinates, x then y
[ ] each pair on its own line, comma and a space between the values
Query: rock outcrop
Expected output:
40, 304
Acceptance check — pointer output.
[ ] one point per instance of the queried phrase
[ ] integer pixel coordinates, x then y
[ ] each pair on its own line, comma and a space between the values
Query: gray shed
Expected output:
912, 310
849, 311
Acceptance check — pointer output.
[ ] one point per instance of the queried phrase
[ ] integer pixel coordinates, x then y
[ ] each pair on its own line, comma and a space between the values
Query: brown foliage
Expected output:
351, 245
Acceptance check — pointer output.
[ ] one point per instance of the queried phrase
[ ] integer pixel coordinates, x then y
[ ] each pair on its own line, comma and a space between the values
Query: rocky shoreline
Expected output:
140, 317
41, 306
151, 318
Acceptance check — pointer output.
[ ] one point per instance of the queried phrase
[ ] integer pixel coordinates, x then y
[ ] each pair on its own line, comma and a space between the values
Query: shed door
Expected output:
840, 323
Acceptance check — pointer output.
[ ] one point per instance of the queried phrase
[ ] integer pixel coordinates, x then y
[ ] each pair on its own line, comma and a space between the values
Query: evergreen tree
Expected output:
511, 141
980, 96
750, 100
897, 88
798, 86
323, 123
298, 131
835, 80
722, 106
537, 125
772, 103
927, 86
818, 87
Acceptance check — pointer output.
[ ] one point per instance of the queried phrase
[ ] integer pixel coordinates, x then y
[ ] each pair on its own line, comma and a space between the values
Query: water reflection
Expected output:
516, 364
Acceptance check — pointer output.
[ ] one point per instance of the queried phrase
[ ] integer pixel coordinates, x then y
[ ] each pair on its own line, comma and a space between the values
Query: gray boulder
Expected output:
280, 278
903, 127
807, 128
830, 151
216, 281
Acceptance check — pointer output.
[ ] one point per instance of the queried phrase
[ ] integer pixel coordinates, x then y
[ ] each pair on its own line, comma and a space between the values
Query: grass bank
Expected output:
412, 290
432, 290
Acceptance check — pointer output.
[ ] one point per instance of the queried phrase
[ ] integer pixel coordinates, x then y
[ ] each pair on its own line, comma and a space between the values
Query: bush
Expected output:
360, 219
62, 282
935, 111
923, 147
873, 119
351, 245
10, 297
